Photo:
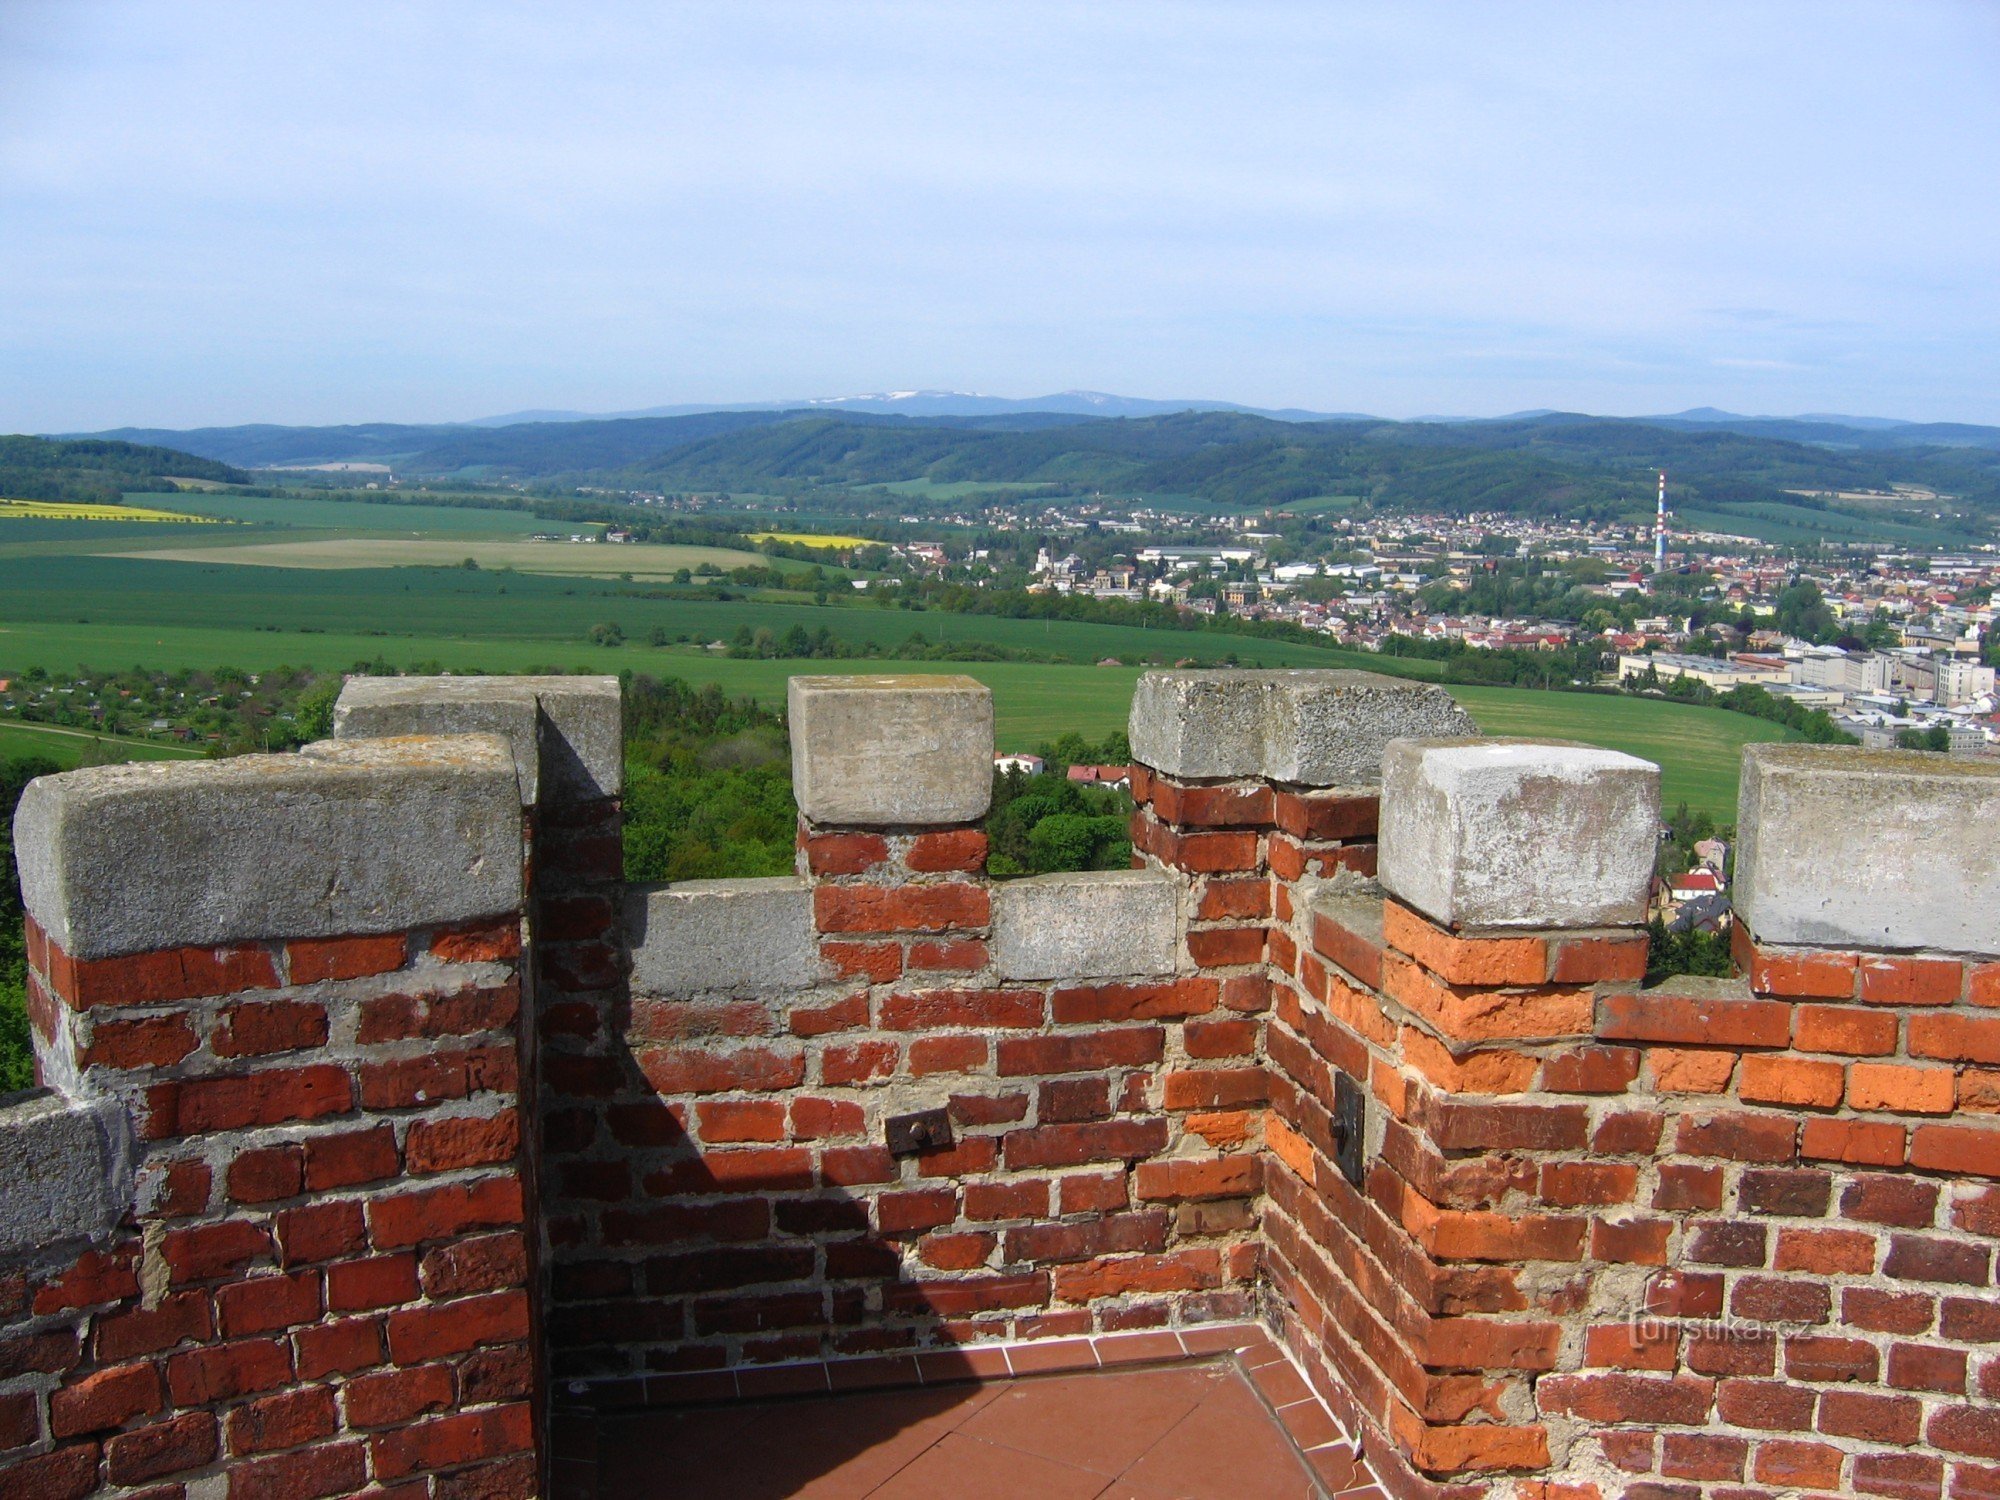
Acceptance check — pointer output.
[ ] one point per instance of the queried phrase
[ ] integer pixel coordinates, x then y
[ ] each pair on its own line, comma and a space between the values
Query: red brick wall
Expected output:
721, 1197
1779, 1177
324, 1284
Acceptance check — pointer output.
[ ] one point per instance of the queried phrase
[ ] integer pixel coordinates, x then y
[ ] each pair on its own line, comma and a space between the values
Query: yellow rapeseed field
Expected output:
808, 538
65, 510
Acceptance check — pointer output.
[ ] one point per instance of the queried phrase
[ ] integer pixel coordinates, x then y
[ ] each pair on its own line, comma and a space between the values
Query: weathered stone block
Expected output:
350, 836
744, 936
1846, 848
1307, 728
891, 751
67, 1170
1094, 924
566, 732
1519, 833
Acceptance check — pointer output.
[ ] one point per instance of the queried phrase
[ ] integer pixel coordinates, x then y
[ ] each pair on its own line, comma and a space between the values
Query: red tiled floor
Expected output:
1196, 1430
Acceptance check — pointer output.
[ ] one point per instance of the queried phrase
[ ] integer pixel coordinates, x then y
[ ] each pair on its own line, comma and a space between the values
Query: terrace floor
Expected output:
1223, 1427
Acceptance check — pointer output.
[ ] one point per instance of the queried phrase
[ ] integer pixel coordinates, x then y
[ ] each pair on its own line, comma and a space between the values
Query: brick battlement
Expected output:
387, 1135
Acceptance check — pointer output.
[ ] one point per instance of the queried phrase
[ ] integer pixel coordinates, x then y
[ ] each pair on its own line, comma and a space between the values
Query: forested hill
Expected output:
91, 469
1549, 463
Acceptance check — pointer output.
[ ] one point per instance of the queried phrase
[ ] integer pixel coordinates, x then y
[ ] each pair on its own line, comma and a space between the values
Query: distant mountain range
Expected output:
939, 404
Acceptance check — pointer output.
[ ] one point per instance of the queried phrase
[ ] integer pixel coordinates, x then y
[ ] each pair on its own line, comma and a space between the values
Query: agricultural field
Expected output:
73, 510
558, 559
809, 539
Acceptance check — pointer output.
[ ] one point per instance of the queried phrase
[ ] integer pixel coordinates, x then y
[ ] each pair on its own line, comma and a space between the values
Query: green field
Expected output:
70, 747
365, 516
560, 559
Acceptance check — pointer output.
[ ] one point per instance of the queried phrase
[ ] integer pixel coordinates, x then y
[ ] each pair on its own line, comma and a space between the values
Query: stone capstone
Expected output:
1518, 833
566, 732
354, 836
741, 936
67, 1169
881, 752
1883, 849
1093, 924
1307, 728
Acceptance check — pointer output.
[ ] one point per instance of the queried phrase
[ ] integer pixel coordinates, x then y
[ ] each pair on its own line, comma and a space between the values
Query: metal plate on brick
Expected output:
926, 1130
1350, 1126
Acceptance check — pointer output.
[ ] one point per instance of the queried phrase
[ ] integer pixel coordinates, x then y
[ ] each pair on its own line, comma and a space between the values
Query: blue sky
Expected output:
315, 213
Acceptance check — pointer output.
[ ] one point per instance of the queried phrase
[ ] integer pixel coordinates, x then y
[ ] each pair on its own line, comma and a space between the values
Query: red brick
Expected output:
109, 1398
170, 1447
444, 1211
881, 963
909, 1212
724, 1120
1911, 981
817, 1119
1082, 1052
1218, 1039
1214, 1088
1844, 1028
160, 977
1181, 1179
767, 1169
1956, 1148
927, 1010
1462, 960
95, 1277
450, 1441
65, 1474
1795, 1465
856, 1166
1166, 1000
949, 955
480, 1263
1825, 1252
480, 943
1873, 1418
264, 1027
1206, 853
1764, 1079
844, 853
1873, 1143
1906, 1202
1220, 947
379, 1281
461, 1141
396, 1397
313, 960
1741, 1137
1597, 959
947, 849
320, 1231
332, 1469
1591, 1070
206, 1251
148, 1042
1702, 1455
338, 1348
1919, 1367
1821, 1359
1610, 1397
1117, 1276
689, 1070
349, 1158
421, 1334
1237, 805
282, 1421
1885, 1312
221, 1372
265, 1303
1222, 899
176, 1319
1074, 1145
1797, 973
1660, 1016
1903, 1090
902, 908
266, 1173
859, 1062
846, 1014
1767, 1405
947, 1054
455, 1073
986, 1201
1956, 1038
1327, 815
274, 1097
1686, 1185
